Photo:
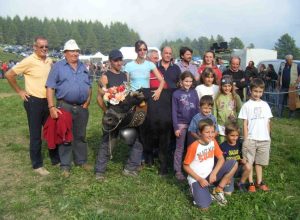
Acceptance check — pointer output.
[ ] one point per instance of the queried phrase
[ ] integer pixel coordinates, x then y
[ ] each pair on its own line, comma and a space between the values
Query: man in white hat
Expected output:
35, 69
71, 82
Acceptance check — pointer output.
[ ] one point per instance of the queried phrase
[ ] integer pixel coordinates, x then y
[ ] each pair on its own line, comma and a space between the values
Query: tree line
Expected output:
284, 45
90, 36
94, 36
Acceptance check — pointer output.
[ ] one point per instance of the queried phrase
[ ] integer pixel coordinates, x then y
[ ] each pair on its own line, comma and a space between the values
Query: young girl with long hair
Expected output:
227, 105
185, 104
208, 83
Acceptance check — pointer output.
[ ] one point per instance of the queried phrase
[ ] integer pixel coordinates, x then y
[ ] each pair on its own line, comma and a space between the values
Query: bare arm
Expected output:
245, 128
157, 92
11, 78
100, 100
52, 109
214, 172
87, 102
195, 135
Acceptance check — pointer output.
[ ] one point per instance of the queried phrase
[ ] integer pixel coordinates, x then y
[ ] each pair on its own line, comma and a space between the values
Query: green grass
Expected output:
25, 195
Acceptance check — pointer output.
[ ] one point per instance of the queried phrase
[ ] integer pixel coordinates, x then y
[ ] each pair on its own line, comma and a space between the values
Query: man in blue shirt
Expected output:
71, 82
185, 64
170, 71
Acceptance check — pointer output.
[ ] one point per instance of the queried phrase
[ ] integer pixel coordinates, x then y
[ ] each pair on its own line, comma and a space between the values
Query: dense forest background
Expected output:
95, 36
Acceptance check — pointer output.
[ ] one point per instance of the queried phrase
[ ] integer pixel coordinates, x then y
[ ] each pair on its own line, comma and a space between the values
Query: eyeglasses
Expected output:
44, 47
142, 49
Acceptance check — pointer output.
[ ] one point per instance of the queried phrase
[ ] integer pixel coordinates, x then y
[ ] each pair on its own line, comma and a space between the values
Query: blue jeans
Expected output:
104, 152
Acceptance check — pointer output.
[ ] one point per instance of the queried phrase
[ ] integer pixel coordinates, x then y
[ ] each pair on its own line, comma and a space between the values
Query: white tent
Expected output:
100, 55
130, 54
94, 58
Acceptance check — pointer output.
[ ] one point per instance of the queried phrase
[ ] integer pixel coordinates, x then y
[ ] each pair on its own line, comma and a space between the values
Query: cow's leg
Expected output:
164, 142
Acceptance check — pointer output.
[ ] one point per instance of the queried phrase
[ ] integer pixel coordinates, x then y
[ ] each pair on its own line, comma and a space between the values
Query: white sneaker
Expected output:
42, 171
220, 198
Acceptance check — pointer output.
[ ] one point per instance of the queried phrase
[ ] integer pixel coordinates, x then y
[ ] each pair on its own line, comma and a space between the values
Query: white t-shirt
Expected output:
205, 90
200, 158
258, 114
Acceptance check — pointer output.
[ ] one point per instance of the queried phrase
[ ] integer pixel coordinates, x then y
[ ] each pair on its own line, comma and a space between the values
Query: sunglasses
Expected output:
142, 49
44, 47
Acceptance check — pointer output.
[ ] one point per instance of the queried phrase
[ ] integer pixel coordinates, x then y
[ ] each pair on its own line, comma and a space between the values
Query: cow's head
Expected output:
121, 114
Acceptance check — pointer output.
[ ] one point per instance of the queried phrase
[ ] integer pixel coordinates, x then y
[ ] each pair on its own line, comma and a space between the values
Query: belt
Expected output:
70, 103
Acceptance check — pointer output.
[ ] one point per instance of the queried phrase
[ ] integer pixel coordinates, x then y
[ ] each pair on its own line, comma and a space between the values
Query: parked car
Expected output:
278, 64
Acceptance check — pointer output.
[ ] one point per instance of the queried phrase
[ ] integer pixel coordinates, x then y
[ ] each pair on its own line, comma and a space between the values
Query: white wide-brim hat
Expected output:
71, 45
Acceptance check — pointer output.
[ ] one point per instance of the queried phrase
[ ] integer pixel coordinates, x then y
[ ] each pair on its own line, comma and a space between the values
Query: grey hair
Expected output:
289, 57
150, 52
235, 57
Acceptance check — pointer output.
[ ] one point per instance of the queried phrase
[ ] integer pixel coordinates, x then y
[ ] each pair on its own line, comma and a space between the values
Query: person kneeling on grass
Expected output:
232, 150
203, 172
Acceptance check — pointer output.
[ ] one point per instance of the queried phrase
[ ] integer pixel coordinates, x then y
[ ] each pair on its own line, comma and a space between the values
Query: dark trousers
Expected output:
283, 101
78, 147
104, 152
37, 114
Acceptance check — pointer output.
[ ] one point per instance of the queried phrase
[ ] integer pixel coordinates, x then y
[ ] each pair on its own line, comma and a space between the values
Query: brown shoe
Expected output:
41, 171
86, 167
65, 173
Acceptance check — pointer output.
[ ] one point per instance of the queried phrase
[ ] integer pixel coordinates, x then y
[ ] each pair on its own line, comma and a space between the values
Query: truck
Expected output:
256, 55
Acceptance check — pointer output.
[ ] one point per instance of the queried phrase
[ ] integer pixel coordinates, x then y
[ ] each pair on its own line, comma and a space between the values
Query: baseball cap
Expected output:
115, 54
226, 80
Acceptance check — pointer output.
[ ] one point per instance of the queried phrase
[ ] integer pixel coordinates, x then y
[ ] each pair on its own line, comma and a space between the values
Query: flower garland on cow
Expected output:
127, 108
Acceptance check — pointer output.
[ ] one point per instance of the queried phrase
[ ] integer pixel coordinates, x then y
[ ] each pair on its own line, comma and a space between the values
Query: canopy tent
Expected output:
130, 54
97, 57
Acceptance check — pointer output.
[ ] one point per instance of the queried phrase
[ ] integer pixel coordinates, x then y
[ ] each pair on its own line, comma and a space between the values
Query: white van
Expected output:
278, 64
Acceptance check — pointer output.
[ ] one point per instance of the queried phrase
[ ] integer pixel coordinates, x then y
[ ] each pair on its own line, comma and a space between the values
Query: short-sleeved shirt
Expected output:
139, 74
35, 71
194, 125
258, 114
200, 158
232, 152
191, 67
171, 74
70, 85
203, 90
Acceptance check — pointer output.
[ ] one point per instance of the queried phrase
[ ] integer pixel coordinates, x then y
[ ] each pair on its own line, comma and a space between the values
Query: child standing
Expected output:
206, 106
185, 104
227, 105
256, 115
208, 81
232, 150
202, 170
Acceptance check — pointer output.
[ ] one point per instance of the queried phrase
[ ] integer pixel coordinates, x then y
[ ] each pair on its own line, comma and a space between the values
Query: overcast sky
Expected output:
260, 22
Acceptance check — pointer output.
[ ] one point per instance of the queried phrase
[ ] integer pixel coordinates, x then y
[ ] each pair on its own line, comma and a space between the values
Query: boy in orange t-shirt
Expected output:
203, 172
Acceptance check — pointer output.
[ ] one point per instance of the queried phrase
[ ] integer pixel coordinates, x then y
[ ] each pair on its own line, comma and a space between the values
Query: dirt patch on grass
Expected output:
5, 95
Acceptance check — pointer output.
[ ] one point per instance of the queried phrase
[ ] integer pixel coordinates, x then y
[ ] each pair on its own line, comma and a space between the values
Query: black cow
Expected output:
157, 128
122, 115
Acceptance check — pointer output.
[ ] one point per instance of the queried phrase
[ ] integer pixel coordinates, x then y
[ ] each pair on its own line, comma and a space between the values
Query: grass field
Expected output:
25, 195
